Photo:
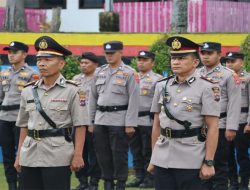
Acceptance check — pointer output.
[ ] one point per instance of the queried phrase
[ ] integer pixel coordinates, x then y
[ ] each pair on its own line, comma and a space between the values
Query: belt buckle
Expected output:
36, 135
168, 132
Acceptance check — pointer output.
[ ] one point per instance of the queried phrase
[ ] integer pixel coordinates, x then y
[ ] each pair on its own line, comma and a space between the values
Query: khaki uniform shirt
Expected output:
62, 103
114, 87
230, 94
11, 85
245, 96
147, 89
190, 100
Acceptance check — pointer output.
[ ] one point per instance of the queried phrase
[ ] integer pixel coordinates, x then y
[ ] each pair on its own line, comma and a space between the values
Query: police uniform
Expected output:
179, 151
91, 167
47, 150
11, 84
140, 142
229, 116
242, 141
113, 105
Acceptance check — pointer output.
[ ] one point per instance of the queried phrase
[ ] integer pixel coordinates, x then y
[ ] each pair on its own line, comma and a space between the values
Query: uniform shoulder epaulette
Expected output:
129, 67
30, 83
166, 78
232, 71
73, 82
158, 75
209, 80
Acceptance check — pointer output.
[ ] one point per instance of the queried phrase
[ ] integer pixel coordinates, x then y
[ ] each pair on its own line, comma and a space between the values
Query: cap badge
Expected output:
142, 53
230, 54
176, 44
206, 45
108, 46
12, 43
43, 44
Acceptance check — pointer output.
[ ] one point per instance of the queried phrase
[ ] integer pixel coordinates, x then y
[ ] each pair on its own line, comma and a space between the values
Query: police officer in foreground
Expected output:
88, 64
113, 109
230, 109
183, 152
235, 61
12, 81
140, 142
49, 108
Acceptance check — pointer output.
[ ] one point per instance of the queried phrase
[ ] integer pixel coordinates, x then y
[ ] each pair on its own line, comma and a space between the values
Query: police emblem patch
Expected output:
216, 91
176, 44
43, 44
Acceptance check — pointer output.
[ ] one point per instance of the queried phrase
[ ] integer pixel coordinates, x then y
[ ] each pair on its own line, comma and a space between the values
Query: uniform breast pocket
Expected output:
6, 85
119, 88
190, 104
100, 85
59, 111
30, 107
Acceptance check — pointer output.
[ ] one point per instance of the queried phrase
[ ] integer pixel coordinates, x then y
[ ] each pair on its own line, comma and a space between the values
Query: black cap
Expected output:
90, 56
146, 55
234, 55
211, 46
15, 46
48, 47
112, 46
180, 46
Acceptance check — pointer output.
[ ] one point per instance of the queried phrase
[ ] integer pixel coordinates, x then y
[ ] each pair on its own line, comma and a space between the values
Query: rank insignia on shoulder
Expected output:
73, 82
29, 84
35, 77
209, 79
165, 78
236, 79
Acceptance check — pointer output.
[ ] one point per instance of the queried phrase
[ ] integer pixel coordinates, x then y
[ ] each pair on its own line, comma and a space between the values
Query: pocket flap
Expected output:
58, 107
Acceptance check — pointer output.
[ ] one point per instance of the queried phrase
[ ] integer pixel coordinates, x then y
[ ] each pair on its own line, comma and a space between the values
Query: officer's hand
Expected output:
230, 135
247, 129
77, 163
91, 128
151, 168
17, 165
129, 131
206, 172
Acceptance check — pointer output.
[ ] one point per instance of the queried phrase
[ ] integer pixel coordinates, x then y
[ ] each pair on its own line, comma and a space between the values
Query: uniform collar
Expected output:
148, 74
61, 81
22, 68
217, 68
120, 68
189, 81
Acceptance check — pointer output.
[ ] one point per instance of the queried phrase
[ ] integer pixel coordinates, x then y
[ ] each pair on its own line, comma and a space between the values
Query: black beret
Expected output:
211, 46
146, 54
90, 56
112, 46
16, 46
234, 55
47, 47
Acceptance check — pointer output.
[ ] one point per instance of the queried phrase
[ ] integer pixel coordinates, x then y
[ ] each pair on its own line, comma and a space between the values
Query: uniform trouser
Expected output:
220, 180
91, 167
232, 163
140, 146
111, 143
9, 135
177, 179
242, 145
45, 178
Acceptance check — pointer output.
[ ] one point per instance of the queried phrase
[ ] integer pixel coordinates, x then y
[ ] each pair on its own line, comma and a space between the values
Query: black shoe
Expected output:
108, 185
147, 183
93, 184
135, 182
120, 185
234, 184
244, 183
12, 186
83, 183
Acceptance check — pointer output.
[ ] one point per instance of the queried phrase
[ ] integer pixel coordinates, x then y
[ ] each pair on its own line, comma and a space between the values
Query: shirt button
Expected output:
178, 91
175, 104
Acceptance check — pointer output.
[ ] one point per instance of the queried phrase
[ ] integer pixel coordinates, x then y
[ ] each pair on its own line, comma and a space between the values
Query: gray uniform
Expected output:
63, 104
191, 100
11, 85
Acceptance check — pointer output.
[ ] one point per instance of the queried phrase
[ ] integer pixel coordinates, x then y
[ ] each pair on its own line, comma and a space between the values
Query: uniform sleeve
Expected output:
1, 90
248, 95
23, 115
233, 106
92, 102
79, 112
131, 118
211, 101
156, 106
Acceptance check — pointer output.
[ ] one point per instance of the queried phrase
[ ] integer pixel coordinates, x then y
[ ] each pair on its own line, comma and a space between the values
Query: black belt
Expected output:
170, 133
242, 125
9, 107
223, 114
38, 134
111, 108
244, 110
144, 113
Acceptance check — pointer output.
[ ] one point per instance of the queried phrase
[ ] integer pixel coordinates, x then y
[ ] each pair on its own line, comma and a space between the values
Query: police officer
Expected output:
12, 81
88, 64
113, 109
183, 104
49, 108
140, 142
235, 61
230, 109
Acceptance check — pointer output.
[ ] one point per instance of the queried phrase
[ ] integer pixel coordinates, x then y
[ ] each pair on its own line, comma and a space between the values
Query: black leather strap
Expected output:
170, 133
9, 107
111, 108
144, 113
223, 114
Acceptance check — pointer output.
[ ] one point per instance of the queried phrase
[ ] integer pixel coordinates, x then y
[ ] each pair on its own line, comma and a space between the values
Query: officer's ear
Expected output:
62, 62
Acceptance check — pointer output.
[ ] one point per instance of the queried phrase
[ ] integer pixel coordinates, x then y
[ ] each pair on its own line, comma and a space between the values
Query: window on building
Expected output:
44, 4
91, 4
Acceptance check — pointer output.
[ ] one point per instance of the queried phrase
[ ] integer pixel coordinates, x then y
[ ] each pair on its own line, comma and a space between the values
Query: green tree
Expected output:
71, 67
245, 48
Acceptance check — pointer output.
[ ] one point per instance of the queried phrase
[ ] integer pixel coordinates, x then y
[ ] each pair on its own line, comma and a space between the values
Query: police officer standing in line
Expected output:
235, 61
12, 81
49, 108
88, 64
184, 104
140, 142
113, 105
230, 109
